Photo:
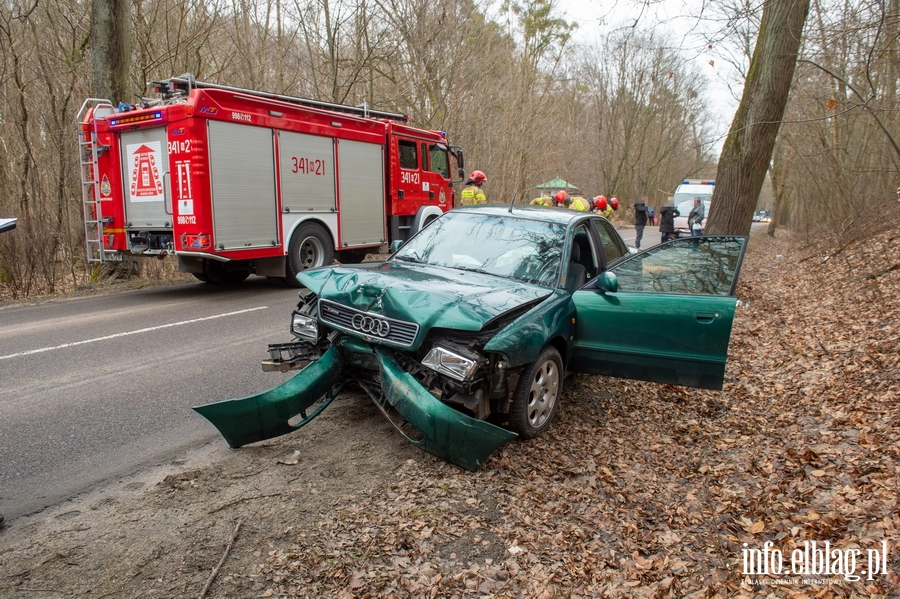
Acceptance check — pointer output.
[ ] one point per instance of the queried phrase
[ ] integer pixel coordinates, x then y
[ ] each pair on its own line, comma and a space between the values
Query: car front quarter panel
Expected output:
522, 340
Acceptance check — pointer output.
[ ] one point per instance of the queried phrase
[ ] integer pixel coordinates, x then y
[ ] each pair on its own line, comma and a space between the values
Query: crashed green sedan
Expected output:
463, 337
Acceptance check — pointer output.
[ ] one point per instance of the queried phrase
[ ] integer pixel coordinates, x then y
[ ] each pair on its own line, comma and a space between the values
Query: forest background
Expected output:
627, 112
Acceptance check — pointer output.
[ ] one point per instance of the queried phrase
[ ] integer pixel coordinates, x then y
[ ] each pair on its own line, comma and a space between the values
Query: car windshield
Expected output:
504, 246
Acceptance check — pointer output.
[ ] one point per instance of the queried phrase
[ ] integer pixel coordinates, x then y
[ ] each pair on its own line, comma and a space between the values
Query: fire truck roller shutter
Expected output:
361, 174
145, 160
307, 172
242, 170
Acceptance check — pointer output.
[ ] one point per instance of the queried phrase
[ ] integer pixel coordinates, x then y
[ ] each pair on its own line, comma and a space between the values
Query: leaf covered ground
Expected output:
638, 490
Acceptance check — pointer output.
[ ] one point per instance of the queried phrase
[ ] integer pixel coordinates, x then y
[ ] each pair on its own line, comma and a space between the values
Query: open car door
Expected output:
663, 315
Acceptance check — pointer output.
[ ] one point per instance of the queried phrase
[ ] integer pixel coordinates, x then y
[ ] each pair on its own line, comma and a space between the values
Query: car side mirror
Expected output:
396, 245
608, 282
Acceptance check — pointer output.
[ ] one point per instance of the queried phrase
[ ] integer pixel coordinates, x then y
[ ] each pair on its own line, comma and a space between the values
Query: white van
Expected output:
684, 201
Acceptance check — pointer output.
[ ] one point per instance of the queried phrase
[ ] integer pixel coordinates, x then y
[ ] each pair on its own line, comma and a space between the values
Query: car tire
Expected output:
536, 398
310, 247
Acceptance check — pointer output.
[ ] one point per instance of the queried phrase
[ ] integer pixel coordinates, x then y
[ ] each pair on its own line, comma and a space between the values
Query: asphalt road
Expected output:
98, 386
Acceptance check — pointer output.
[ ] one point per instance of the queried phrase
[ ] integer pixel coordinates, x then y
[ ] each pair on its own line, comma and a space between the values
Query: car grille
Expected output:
372, 326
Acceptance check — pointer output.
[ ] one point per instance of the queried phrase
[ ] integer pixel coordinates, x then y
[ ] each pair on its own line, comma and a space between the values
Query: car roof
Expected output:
542, 213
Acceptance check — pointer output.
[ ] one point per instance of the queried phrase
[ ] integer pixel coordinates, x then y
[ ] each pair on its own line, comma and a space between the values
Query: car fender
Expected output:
522, 340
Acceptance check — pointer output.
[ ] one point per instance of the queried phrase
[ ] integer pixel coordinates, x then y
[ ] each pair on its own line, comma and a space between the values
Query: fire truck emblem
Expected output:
146, 182
105, 187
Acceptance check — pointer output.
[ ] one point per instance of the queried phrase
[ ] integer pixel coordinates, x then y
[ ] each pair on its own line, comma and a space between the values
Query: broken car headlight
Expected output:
449, 363
306, 327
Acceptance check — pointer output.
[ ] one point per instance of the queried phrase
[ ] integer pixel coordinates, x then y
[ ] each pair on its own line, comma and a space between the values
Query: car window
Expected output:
587, 252
611, 242
695, 265
505, 246
409, 157
439, 162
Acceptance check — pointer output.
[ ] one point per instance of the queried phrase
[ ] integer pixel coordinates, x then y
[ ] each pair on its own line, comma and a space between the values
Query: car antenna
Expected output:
513, 202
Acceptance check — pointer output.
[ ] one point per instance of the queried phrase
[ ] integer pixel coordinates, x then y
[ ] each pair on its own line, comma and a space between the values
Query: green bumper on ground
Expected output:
446, 433
266, 415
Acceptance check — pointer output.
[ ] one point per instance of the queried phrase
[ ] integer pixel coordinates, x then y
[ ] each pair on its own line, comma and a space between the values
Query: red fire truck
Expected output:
235, 181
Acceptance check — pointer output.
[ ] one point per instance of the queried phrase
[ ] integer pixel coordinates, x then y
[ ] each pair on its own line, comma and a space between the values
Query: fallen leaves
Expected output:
644, 490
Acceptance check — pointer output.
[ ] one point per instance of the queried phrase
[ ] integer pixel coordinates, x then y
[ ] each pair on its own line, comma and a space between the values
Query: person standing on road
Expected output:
472, 193
667, 216
640, 221
696, 217
651, 216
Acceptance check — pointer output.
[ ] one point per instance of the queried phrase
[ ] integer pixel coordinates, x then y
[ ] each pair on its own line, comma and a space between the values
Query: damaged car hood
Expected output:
429, 296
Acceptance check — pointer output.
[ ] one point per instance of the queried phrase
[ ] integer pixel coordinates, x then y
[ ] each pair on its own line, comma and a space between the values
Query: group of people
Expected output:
644, 215
598, 204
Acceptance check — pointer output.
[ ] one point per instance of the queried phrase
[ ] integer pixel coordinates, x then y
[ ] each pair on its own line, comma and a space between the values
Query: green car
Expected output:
463, 337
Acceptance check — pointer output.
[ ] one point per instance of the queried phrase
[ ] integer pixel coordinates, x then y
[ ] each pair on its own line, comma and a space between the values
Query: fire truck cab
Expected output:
234, 181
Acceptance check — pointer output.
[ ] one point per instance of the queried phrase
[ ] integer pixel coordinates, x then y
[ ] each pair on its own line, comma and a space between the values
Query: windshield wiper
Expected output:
478, 270
409, 259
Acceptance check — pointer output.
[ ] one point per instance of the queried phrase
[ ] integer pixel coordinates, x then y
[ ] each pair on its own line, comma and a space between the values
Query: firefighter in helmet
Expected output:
544, 200
580, 204
600, 206
472, 193
561, 199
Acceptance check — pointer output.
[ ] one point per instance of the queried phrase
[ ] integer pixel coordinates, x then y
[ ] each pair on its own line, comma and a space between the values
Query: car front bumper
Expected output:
443, 431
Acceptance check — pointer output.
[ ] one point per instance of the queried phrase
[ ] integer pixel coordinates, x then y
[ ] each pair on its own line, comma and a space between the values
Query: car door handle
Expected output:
705, 317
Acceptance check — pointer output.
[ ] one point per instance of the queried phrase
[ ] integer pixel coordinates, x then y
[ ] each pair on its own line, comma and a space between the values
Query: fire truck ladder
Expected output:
182, 86
89, 150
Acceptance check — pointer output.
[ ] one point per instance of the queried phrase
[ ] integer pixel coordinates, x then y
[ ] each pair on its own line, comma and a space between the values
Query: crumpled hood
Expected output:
427, 295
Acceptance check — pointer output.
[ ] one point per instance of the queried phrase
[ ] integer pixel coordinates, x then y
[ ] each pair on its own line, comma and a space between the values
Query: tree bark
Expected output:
110, 68
748, 148
111, 49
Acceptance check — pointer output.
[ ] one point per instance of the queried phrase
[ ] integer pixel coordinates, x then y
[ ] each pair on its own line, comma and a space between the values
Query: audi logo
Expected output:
373, 326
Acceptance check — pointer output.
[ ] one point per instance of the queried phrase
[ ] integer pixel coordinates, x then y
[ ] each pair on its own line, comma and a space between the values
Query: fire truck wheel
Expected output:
202, 277
310, 247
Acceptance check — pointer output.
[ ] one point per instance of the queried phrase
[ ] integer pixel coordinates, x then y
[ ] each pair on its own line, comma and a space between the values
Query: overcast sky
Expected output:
679, 19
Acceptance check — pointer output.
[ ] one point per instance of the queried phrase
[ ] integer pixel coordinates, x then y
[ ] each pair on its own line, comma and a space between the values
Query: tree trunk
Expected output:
778, 172
111, 67
748, 147
111, 49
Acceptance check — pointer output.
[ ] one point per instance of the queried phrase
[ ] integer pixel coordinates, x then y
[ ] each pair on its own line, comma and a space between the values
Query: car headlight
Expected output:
304, 326
449, 363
